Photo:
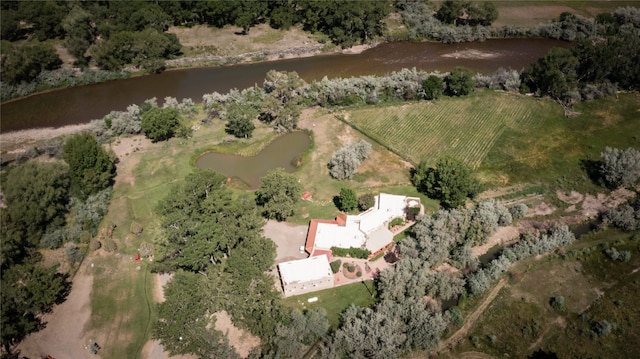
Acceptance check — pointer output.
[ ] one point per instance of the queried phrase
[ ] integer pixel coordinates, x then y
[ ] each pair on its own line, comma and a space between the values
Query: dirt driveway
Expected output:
66, 333
289, 238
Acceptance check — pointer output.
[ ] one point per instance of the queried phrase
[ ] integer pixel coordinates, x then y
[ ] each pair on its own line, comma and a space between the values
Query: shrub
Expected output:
94, 245
110, 245
396, 222
351, 252
74, 255
620, 168
359, 274
366, 201
518, 211
615, 255
335, 265
557, 303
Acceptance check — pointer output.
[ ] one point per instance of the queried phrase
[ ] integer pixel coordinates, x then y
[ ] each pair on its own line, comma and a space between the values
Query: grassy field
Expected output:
521, 320
509, 138
336, 300
462, 128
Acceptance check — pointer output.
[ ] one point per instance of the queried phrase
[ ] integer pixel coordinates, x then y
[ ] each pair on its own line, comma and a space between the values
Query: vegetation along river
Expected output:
283, 152
82, 104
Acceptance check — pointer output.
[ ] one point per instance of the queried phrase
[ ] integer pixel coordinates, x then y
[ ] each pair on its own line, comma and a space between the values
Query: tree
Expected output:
160, 124
366, 201
203, 223
80, 35
92, 167
24, 63
451, 182
348, 199
346, 160
36, 195
303, 329
239, 118
28, 291
184, 325
278, 194
459, 81
554, 74
432, 87
450, 11
620, 168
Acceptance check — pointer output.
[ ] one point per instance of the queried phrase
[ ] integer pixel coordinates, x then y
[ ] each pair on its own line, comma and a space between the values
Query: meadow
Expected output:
508, 138
595, 288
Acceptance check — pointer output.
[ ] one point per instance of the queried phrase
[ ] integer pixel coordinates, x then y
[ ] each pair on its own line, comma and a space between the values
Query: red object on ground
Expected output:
137, 258
306, 196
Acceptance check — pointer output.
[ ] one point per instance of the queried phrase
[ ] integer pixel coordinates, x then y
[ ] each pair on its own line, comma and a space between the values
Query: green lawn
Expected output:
336, 300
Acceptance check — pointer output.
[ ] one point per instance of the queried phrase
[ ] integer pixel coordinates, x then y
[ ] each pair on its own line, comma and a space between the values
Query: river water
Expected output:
82, 104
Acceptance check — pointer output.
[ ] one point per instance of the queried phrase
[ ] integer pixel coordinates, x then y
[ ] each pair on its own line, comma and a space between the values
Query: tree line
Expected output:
48, 204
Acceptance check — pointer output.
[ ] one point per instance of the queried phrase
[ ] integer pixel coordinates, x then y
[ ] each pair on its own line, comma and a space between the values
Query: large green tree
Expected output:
348, 199
36, 195
459, 81
203, 222
451, 181
24, 63
160, 124
278, 194
92, 167
28, 291
554, 74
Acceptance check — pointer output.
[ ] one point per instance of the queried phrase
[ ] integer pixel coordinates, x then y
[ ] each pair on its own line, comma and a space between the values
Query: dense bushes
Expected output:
620, 168
626, 217
351, 252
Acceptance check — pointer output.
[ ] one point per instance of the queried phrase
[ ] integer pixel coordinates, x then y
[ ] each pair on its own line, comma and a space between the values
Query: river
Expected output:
82, 104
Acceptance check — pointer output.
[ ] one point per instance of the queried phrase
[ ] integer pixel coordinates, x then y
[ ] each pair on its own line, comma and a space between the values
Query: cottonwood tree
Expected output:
554, 74
203, 222
28, 291
278, 194
92, 167
36, 195
432, 87
346, 160
184, 325
451, 181
160, 124
620, 167
303, 329
459, 81
239, 118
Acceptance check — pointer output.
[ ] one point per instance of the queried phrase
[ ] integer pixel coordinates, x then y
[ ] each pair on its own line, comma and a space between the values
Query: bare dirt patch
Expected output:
502, 236
572, 198
288, 239
129, 151
66, 333
528, 15
241, 340
20, 141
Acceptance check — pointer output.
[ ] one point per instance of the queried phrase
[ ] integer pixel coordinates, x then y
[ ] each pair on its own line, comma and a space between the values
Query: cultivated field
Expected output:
462, 128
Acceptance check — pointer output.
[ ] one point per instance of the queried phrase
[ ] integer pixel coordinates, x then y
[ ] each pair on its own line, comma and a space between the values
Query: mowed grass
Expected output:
336, 300
123, 312
464, 128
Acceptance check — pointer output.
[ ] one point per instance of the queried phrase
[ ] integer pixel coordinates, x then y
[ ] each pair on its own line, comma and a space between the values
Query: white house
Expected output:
306, 275
367, 230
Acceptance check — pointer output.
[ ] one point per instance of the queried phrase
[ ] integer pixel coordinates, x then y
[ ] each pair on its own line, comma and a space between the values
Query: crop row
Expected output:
466, 129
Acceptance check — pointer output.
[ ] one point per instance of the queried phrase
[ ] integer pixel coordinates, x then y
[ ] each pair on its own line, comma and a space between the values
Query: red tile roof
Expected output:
313, 228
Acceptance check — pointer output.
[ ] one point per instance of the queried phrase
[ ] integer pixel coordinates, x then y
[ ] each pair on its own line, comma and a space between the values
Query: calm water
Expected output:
82, 104
281, 153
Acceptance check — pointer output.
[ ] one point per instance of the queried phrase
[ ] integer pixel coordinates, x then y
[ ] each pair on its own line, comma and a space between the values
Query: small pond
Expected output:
283, 152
